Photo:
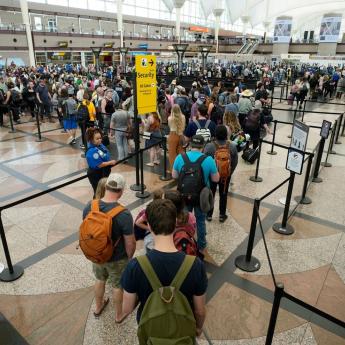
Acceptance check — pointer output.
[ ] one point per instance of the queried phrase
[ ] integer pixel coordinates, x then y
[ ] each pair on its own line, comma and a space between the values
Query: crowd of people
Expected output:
206, 126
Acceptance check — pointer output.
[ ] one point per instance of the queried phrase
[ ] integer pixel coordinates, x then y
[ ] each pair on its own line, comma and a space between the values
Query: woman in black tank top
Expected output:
108, 108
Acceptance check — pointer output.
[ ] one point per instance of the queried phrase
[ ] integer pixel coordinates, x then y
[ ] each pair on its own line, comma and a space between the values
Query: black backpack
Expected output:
191, 180
16, 98
217, 114
83, 113
252, 121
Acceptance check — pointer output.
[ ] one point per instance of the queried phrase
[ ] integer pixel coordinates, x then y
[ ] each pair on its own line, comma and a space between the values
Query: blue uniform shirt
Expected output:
96, 155
208, 165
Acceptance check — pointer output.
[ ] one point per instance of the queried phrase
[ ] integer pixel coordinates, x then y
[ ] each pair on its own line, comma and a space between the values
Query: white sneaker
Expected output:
70, 139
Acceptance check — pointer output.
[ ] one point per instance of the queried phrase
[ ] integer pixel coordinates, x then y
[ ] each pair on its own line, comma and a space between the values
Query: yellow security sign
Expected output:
145, 67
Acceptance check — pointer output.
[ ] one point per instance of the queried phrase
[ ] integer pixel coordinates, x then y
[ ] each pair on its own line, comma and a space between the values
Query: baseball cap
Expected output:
201, 99
116, 182
198, 141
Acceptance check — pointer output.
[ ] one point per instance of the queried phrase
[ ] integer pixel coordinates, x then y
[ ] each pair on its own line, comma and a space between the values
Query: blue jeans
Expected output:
200, 225
121, 143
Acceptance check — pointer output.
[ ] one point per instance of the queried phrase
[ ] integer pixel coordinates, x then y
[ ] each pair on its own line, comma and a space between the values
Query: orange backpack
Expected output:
223, 161
95, 232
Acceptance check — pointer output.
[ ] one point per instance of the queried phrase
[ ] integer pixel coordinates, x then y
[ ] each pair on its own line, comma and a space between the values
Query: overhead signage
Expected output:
63, 44
108, 45
298, 145
282, 31
146, 83
330, 28
325, 128
198, 29
143, 46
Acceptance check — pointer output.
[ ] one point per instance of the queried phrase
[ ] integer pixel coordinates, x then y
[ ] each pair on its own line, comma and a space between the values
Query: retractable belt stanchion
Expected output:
284, 228
343, 130
10, 114
165, 176
271, 152
338, 130
303, 199
10, 273
137, 186
142, 194
278, 294
303, 111
326, 164
316, 177
39, 139
332, 152
294, 118
257, 178
249, 263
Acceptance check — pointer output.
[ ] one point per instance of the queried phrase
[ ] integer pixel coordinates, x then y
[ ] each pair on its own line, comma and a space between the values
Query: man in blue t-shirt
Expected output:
192, 127
166, 262
210, 172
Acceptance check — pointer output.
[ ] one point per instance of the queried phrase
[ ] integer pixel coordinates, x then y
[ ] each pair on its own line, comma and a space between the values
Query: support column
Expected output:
180, 49
120, 25
178, 5
217, 13
329, 38
26, 23
204, 50
245, 21
282, 35
267, 27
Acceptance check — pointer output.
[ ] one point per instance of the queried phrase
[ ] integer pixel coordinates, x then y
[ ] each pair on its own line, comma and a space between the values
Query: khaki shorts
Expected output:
111, 271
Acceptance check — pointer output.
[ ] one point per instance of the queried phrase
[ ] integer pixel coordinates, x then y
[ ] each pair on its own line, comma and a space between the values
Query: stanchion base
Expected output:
288, 230
248, 266
38, 140
255, 179
271, 153
338, 142
168, 177
136, 187
6, 276
304, 201
326, 165
317, 179
144, 195
333, 152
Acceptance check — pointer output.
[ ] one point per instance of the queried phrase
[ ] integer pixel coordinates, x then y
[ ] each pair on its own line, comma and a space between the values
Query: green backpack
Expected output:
167, 318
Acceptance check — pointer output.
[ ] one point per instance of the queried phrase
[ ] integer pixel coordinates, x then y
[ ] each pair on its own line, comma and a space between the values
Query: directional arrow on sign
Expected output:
151, 62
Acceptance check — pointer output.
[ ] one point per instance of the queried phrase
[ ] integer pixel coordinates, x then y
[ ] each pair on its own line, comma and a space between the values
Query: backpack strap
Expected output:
197, 123
201, 159
185, 158
149, 272
95, 205
115, 211
183, 271
207, 123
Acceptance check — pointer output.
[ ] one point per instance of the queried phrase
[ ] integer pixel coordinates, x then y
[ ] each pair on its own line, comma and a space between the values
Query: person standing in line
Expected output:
123, 238
221, 141
176, 123
69, 108
120, 121
209, 173
152, 125
98, 157
44, 100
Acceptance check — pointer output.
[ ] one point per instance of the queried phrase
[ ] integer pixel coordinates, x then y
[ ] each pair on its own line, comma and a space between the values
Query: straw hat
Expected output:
247, 93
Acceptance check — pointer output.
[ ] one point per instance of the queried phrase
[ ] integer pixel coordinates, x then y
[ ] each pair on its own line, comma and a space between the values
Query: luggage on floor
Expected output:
250, 155
290, 99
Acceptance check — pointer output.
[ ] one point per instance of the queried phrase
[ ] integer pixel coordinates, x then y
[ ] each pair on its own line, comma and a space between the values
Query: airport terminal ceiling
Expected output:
257, 16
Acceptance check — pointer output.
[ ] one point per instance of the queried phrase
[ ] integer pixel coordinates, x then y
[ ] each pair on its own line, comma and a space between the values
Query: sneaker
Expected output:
82, 146
209, 218
150, 164
73, 142
223, 218
70, 139
156, 162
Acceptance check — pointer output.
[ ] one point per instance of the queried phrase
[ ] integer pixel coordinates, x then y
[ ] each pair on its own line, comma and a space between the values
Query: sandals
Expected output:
105, 303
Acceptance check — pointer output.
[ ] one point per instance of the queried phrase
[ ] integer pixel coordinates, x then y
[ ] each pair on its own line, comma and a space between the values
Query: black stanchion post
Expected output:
329, 150
303, 111
272, 95
343, 130
257, 178
284, 228
39, 139
316, 177
294, 118
281, 94
334, 130
10, 114
10, 273
278, 294
287, 90
338, 130
165, 176
136, 186
249, 263
142, 194
271, 152
303, 199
